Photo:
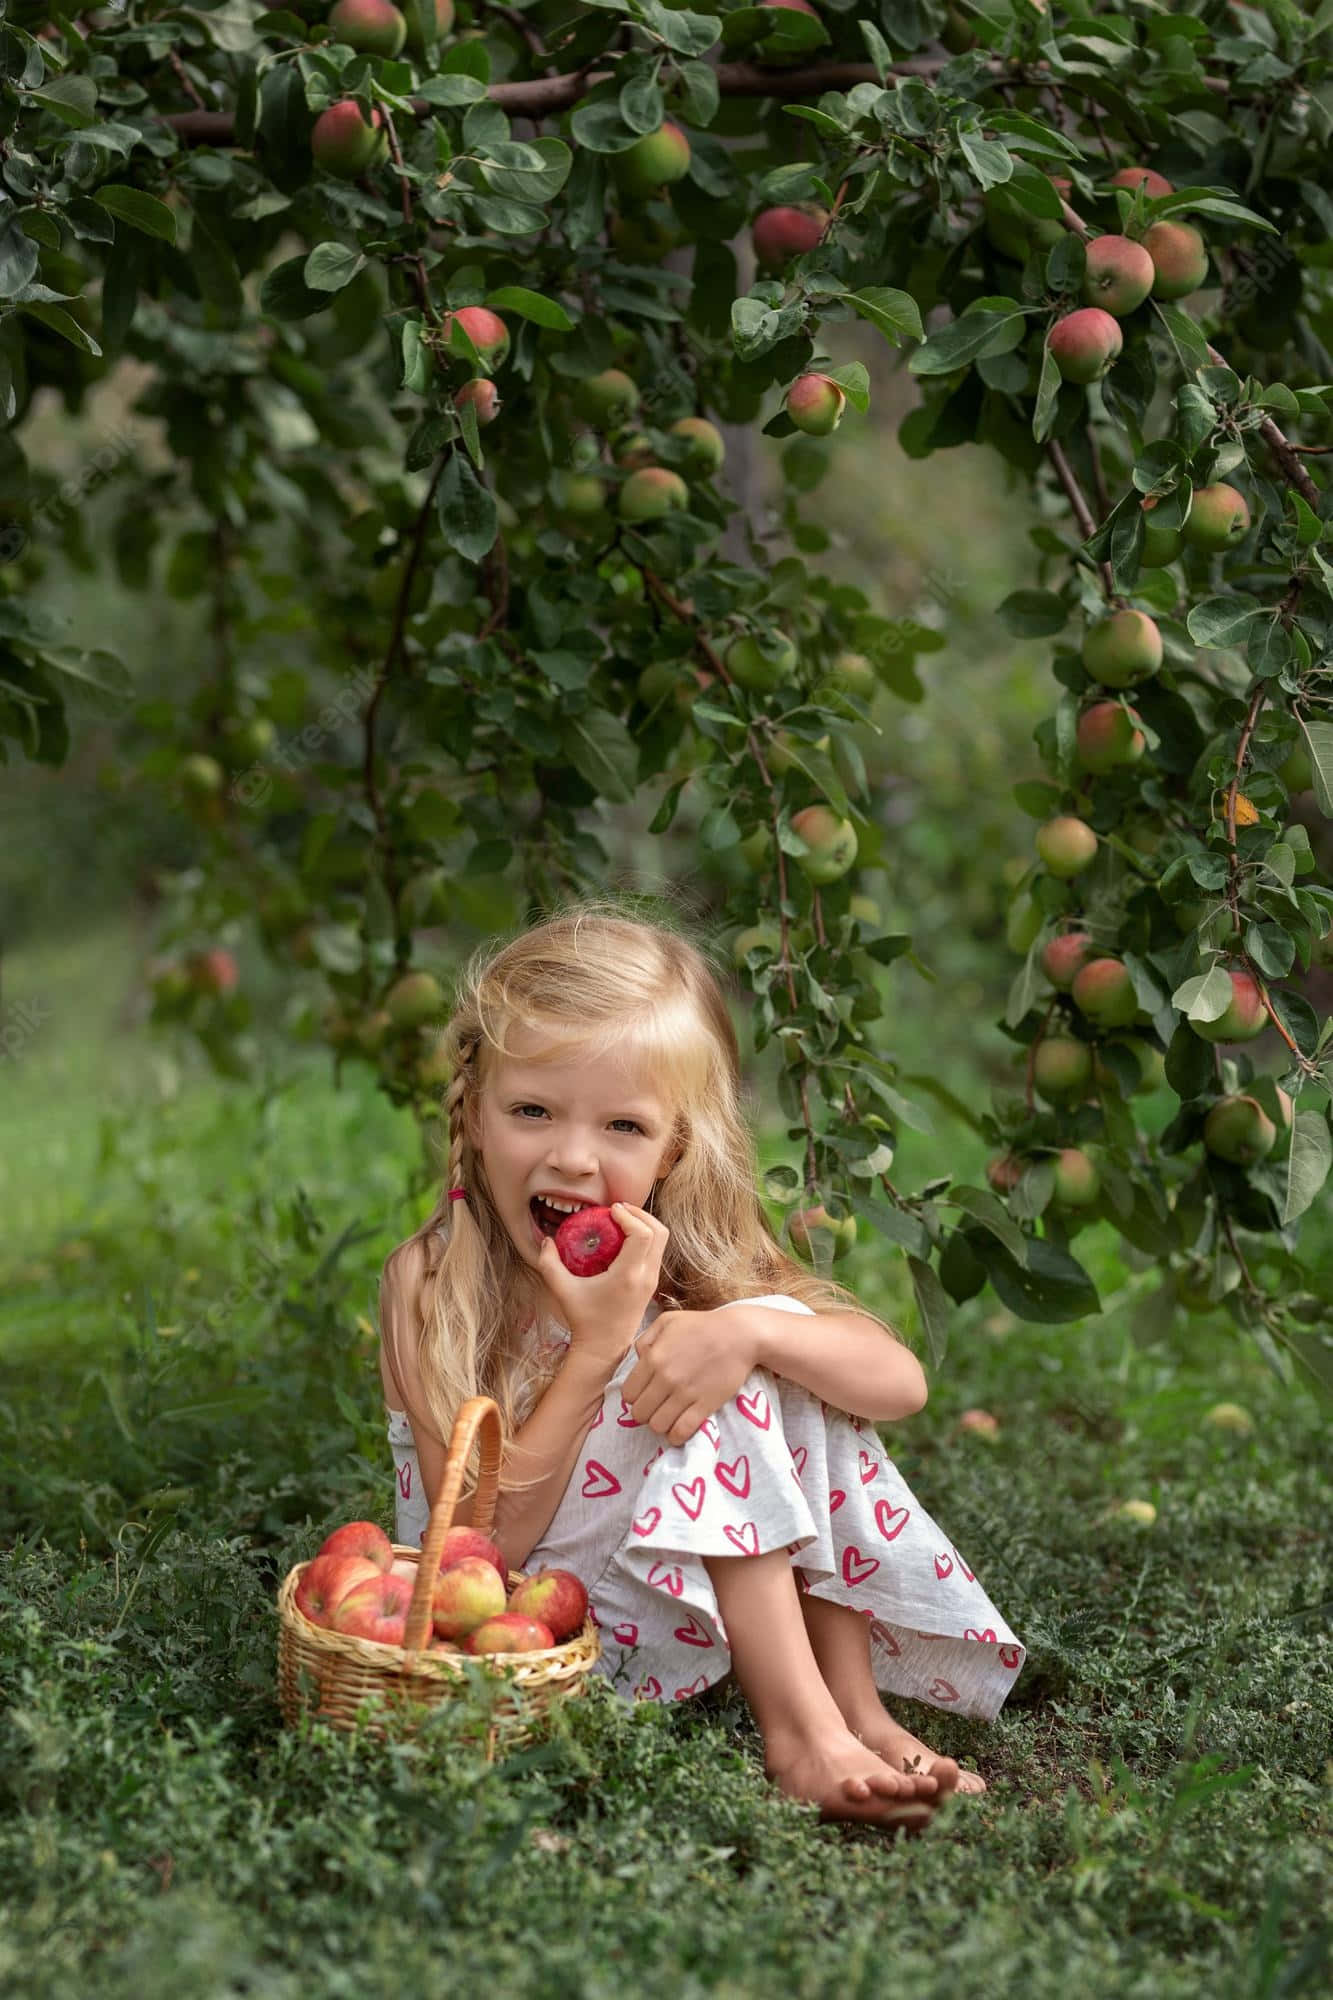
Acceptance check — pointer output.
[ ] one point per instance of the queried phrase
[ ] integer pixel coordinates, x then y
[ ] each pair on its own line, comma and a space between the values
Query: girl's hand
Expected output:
604, 1313
690, 1364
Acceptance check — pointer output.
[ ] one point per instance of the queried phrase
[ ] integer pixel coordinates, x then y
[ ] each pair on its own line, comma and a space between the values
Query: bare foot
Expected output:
901, 1750
849, 1781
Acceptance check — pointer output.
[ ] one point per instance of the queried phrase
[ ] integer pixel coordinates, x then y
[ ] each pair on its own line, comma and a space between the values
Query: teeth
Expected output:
565, 1207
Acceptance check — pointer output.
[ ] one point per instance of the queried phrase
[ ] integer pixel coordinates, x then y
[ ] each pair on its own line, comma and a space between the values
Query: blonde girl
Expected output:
693, 1430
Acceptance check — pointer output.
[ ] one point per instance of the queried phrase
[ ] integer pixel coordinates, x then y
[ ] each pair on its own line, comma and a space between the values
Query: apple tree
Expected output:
454, 320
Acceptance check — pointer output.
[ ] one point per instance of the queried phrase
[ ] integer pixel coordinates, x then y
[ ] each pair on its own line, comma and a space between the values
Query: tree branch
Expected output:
1082, 512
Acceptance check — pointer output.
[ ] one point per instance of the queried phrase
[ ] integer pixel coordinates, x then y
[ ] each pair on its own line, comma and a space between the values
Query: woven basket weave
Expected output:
330, 1674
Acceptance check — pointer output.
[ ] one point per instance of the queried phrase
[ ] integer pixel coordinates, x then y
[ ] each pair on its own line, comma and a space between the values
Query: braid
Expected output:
454, 1106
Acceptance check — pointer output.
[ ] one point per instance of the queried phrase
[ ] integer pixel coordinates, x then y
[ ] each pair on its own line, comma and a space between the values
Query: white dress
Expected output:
773, 1468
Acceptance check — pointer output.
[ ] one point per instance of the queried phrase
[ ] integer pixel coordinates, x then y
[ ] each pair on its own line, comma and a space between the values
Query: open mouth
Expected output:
547, 1219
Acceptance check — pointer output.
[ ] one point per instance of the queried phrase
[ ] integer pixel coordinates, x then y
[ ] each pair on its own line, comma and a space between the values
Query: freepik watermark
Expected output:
20, 1021
70, 495
253, 785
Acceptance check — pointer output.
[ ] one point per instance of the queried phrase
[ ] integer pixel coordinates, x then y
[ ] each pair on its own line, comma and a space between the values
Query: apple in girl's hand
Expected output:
460, 1543
555, 1597
465, 1596
376, 1610
326, 1580
508, 1632
359, 1538
589, 1241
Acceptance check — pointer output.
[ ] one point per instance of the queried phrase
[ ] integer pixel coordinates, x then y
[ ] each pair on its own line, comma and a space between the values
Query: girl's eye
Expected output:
632, 1123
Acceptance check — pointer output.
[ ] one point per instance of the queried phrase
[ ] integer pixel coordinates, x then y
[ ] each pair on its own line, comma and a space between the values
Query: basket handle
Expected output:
479, 1413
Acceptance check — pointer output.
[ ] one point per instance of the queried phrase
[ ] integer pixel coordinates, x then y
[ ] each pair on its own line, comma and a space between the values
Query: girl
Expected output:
691, 1431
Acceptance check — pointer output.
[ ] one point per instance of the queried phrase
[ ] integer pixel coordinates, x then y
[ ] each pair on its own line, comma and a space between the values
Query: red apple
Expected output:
980, 1421
460, 1543
466, 1596
376, 1610
359, 1538
555, 1597
509, 1632
326, 1580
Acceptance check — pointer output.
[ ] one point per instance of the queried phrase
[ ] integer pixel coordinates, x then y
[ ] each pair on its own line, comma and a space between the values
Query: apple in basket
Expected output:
466, 1596
460, 1543
359, 1538
555, 1598
376, 1609
508, 1632
326, 1580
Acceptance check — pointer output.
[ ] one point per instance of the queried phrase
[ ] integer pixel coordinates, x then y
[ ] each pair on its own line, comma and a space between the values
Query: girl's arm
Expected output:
845, 1358
546, 1448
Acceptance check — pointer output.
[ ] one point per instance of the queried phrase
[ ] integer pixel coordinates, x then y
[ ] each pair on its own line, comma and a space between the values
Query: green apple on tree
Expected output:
832, 843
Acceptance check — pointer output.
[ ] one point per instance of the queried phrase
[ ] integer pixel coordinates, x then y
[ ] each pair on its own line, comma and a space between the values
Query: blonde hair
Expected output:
594, 979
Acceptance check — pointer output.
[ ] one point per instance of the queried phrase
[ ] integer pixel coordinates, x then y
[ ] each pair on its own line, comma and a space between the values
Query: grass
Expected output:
189, 1403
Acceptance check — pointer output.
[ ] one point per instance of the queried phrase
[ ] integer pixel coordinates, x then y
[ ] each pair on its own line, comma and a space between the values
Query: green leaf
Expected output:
1206, 997
602, 750
1037, 797
62, 323
896, 314
468, 518
1311, 1158
1222, 621
285, 294
1051, 1289
330, 266
1025, 987
689, 34
142, 211
531, 305
988, 159
992, 1214
1319, 741
974, 333
1033, 614
934, 1306
1048, 397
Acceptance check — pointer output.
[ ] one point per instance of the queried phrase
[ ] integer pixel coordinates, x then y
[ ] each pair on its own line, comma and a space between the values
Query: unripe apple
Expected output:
781, 748
634, 449
832, 842
1179, 257
372, 1031
706, 449
201, 777
1160, 545
434, 1069
373, 27
757, 847
482, 394
757, 934
1014, 230
608, 399
1122, 650
1229, 1417
1141, 1511
1218, 518
1150, 1060
815, 404
666, 677
485, 329
652, 492
1119, 275
344, 145
653, 161
417, 14
1066, 845
414, 1000
1077, 1181
1062, 1068
779, 234
1108, 734
760, 672
1103, 992
1296, 772
804, 1225
1065, 955
1245, 1015
1085, 343
578, 495
866, 911
853, 673
1004, 1172
1239, 1129
1154, 185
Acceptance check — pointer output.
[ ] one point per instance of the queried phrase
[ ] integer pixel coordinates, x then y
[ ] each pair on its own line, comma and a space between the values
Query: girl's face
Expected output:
583, 1131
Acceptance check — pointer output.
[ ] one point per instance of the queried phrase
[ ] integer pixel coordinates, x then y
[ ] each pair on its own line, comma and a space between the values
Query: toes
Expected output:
946, 1771
971, 1781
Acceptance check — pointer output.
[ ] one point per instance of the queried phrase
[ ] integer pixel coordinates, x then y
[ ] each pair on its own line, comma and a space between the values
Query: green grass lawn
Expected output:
189, 1403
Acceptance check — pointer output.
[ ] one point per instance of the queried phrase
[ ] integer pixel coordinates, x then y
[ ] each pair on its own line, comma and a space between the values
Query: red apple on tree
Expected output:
1119, 274
779, 234
1085, 344
373, 27
485, 329
344, 145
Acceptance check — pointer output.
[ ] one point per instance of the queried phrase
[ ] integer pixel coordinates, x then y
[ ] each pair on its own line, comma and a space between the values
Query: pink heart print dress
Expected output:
773, 1468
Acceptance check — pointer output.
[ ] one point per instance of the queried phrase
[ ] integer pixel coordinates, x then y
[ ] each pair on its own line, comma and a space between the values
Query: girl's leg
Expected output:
840, 1642
808, 1748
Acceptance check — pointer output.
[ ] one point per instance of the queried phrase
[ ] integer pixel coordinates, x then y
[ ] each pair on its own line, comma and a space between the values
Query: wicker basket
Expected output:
330, 1674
